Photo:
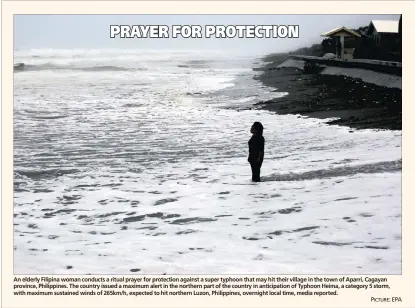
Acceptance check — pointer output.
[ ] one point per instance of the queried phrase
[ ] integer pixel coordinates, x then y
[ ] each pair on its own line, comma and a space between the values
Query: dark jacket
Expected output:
256, 145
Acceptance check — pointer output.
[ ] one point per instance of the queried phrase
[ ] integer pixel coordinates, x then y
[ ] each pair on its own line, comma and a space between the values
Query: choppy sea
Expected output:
130, 161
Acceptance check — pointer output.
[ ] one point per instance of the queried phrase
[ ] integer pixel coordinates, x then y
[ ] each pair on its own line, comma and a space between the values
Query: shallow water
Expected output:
140, 168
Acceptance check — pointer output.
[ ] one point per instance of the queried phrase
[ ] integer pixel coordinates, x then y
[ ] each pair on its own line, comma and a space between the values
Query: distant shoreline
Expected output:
355, 103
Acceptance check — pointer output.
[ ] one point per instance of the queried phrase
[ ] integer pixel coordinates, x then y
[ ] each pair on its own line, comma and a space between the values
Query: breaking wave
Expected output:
196, 64
22, 67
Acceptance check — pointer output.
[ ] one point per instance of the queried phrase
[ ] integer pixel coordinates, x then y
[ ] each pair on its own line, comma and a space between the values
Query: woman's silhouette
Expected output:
256, 151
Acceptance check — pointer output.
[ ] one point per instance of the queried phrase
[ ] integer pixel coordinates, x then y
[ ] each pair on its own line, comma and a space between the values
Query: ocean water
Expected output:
132, 162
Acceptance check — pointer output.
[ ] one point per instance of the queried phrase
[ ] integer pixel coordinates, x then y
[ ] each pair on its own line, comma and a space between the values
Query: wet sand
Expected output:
355, 103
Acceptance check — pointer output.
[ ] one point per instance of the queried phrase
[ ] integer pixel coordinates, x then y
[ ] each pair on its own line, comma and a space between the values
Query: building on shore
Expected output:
383, 32
385, 39
344, 39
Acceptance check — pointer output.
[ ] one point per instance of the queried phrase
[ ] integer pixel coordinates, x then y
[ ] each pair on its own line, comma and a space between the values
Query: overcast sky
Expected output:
92, 31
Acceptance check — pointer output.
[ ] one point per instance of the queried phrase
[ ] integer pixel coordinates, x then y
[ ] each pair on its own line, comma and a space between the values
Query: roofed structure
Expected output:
385, 26
338, 31
384, 34
341, 33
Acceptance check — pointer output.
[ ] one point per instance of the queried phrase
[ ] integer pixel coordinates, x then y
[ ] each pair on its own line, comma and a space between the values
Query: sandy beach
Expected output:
132, 162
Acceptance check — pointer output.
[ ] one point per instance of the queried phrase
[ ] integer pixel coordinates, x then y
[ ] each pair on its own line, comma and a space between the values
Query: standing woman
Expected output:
256, 150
